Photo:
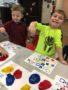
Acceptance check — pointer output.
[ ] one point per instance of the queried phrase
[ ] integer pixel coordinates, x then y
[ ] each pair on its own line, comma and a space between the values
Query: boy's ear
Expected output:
63, 22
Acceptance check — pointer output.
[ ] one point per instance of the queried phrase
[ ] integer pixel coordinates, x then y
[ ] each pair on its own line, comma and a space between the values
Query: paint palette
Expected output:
37, 80
60, 83
10, 51
45, 64
13, 76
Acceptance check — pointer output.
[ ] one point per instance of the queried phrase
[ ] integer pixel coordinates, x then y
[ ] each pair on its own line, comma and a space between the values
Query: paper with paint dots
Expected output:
37, 80
60, 83
45, 64
13, 76
10, 48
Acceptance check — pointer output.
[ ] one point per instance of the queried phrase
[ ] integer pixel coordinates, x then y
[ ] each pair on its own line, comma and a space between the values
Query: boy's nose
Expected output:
15, 17
57, 18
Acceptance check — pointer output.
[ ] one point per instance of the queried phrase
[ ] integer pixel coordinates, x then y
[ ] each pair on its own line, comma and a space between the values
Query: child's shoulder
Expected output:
8, 22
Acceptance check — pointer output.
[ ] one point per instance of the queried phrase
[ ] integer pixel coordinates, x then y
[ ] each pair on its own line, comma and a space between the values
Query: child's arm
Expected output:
32, 28
2, 29
59, 51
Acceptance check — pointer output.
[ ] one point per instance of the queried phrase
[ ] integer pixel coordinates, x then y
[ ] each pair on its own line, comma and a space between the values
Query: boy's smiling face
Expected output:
16, 16
56, 20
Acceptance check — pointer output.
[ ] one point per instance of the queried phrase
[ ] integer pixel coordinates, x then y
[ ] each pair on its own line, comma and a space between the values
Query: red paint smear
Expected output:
18, 74
2, 58
44, 85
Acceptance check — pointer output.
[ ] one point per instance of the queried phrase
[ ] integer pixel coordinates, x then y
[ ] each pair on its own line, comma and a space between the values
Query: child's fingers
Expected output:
64, 62
3, 51
2, 29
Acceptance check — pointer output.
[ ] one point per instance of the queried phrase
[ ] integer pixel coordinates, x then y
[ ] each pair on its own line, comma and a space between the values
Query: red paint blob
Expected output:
18, 74
44, 85
2, 58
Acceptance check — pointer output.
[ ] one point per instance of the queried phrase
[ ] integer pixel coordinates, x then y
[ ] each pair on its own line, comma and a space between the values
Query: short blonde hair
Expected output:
18, 8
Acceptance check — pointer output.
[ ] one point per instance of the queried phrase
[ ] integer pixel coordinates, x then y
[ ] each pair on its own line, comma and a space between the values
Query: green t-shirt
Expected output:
49, 38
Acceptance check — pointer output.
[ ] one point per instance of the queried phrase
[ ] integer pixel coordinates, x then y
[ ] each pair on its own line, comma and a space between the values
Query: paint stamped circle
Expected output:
34, 78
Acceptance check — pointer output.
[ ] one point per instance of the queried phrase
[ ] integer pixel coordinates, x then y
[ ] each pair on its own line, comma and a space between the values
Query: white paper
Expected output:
60, 83
9, 48
18, 83
45, 64
42, 78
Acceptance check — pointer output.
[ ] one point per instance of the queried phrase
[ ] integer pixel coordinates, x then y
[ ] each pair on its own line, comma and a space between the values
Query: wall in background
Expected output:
59, 4
62, 4
46, 12
48, 7
65, 7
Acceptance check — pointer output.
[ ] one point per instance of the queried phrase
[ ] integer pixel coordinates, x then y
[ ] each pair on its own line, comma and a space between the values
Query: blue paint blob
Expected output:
34, 78
9, 79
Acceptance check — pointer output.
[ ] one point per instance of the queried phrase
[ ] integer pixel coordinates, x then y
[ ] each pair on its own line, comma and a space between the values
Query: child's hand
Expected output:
2, 29
64, 62
32, 28
3, 51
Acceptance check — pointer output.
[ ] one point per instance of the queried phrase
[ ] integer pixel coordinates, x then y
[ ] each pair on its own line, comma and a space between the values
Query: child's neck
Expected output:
55, 27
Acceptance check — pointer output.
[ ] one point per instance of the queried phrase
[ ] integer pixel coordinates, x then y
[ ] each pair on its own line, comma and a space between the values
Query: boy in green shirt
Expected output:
50, 36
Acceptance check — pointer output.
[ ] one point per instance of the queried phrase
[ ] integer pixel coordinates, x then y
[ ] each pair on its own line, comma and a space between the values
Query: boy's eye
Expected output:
54, 15
61, 18
17, 16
